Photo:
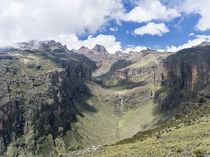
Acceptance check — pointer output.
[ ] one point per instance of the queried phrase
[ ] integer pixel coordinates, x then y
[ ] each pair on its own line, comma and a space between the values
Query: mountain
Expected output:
186, 136
100, 49
55, 46
97, 54
184, 86
184, 74
57, 102
37, 94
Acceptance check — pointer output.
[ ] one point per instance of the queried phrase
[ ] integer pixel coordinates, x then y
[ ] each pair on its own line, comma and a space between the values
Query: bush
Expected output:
158, 136
74, 148
198, 153
178, 150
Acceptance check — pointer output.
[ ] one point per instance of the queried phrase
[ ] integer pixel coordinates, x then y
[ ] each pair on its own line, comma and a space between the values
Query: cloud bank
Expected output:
23, 20
194, 42
109, 41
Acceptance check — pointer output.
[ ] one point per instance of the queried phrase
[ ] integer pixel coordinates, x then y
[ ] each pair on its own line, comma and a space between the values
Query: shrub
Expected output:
178, 150
158, 136
198, 153
74, 148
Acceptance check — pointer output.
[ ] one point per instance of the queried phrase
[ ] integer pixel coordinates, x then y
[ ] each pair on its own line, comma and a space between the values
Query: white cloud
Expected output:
113, 29
191, 34
152, 28
148, 10
109, 41
72, 42
134, 48
198, 40
22, 20
198, 7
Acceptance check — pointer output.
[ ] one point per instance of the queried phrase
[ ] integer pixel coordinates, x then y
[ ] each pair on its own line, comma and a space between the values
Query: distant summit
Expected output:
98, 54
41, 45
83, 48
100, 48
205, 43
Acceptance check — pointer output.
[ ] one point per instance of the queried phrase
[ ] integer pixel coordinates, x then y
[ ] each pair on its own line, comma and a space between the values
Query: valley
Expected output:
55, 101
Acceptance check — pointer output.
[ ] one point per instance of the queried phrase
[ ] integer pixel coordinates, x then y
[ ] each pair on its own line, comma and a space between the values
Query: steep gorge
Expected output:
38, 89
51, 104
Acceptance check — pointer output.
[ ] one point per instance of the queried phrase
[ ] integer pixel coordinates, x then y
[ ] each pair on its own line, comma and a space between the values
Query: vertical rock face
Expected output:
183, 74
91, 64
188, 69
37, 92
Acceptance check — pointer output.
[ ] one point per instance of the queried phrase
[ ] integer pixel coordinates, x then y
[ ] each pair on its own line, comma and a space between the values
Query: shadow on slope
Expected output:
122, 63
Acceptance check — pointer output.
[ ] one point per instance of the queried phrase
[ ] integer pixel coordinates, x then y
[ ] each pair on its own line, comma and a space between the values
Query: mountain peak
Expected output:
83, 48
41, 45
204, 43
100, 48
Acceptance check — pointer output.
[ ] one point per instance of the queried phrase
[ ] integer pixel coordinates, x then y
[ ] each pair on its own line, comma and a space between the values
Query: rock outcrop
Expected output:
189, 69
183, 75
56, 47
100, 49
37, 94
98, 54
45, 88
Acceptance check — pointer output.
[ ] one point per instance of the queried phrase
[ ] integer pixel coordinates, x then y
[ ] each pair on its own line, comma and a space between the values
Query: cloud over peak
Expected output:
25, 20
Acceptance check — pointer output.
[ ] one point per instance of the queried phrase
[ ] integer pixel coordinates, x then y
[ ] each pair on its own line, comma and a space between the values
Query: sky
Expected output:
125, 25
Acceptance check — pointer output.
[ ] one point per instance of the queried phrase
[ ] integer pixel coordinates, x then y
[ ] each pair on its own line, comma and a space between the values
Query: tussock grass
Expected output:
191, 138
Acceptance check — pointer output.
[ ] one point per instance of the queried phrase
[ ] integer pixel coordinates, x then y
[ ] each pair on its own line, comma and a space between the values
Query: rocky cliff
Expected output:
37, 93
189, 69
135, 67
49, 104
183, 75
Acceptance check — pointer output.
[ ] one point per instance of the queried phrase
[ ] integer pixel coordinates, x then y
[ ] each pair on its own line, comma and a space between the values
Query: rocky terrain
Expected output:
54, 101
37, 90
185, 136
184, 86
184, 74
98, 54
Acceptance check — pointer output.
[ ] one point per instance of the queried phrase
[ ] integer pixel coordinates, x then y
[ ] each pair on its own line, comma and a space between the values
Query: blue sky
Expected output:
126, 25
181, 30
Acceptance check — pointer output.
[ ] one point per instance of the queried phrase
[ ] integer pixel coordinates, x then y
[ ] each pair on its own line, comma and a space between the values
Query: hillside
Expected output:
37, 89
186, 136
125, 104
188, 96
55, 101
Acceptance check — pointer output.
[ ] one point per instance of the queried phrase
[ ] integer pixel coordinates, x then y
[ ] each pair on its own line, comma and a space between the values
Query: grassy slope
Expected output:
105, 127
142, 60
140, 119
187, 136
49, 61
101, 126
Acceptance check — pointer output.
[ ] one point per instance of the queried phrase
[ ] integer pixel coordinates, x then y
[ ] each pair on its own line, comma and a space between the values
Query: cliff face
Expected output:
188, 69
36, 95
136, 67
57, 50
183, 75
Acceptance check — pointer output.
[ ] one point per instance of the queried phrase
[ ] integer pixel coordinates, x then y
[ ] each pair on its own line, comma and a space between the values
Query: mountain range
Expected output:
88, 102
